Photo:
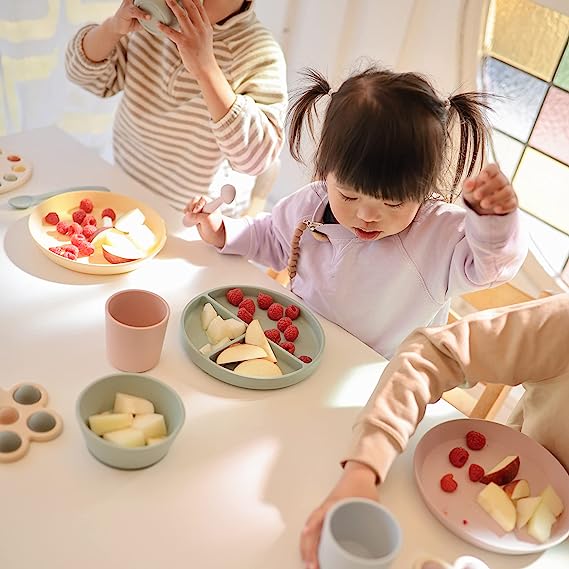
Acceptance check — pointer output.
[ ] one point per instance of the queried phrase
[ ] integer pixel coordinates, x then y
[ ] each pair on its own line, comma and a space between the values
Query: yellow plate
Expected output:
64, 205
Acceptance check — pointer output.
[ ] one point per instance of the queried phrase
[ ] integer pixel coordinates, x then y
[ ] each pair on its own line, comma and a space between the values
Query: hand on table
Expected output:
357, 481
210, 225
490, 193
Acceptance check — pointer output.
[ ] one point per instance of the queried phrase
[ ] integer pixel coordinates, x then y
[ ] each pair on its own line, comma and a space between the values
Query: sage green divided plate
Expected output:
310, 341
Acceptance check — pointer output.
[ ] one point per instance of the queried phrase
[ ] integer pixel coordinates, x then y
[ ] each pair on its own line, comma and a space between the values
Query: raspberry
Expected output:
85, 248
62, 227
248, 305
69, 255
458, 456
109, 212
292, 311
71, 249
264, 300
475, 440
305, 359
234, 296
475, 472
89, 231
78, 216
77, 238
275, 311
448, 483
288, 346
291, 333
245, 315
89, 220
86, 205
74, 228
283, 323
57, 250
52, 218
274, 335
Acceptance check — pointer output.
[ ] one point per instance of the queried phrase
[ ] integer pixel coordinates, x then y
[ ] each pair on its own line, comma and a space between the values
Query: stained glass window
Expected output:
526, 64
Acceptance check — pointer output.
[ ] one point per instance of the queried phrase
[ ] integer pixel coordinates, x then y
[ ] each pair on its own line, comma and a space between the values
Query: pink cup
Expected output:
135, 323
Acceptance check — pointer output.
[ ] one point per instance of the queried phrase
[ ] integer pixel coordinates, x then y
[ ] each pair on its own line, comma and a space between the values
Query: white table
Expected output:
248, 466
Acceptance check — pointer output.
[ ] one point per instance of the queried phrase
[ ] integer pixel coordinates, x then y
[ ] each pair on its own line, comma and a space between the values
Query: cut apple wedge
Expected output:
142, 237
498, 505
539, 525
216, 330
121, 254
525, 508
99, 237
517, 489
207, 315
256, 337
151, 425
130, 220
505, 471
125, 403
129, 438
240, 353
553, 501
234, 328
260, 368
108, 422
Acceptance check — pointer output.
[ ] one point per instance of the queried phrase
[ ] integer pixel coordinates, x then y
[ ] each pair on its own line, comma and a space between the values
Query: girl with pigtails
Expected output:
386, 248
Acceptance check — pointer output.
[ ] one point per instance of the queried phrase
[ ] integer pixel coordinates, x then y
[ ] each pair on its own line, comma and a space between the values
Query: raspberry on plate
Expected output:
458, 456
89, 220
475, 472
74, 228
291, 333
283, 323
85, 248
248, 305
52, 218
448, 483
275, 311
78, 216
86, 205
245, 315
89, 231
292, 311
109, 212
234, 296
274, 335
288, 346
62, 227
264, 300
305, 359
77, 238
475, 440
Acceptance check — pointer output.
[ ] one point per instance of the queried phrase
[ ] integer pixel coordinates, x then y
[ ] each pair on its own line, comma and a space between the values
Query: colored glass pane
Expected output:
519, 101
551, 131
562, 75
526, 35
507, 153
542, 185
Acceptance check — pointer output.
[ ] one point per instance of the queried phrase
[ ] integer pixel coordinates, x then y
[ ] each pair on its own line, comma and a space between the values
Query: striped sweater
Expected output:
163, 135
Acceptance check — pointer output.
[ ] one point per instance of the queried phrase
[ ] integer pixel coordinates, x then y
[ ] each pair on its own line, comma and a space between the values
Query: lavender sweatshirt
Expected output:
380, 291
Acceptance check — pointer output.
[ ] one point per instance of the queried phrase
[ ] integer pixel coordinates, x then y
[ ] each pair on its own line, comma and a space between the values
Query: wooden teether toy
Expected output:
25, 418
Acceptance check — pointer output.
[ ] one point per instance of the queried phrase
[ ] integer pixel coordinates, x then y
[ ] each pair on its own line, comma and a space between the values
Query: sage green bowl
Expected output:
99, 396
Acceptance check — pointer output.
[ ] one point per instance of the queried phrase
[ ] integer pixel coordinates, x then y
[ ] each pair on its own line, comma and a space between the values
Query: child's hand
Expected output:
126, 18
490, 193
210, 225
195, 38
358, 481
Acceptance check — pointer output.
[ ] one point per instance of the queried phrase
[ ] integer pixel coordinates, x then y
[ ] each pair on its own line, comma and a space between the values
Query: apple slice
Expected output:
142, 237
107, 422
125, 403
256, 337
553, 501
130, 220
151, 425
517, 489
207, 315
129, 438
99, 237
505, 471
221, 342
240, 353
234, 328
155, 440
216, 330
205, 349
525, 508
498, 505
258, 368
539, 525
117, 255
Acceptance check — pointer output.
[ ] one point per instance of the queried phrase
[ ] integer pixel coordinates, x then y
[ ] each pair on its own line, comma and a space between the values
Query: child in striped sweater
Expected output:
198, 105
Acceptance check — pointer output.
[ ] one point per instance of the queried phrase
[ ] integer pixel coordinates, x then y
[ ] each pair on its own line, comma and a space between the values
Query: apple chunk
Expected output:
256, 337
115, 255
130, 220
498, 505
553, 501
107, 422
234, 328
539, 525
151, 425
517, 489
525, 508
240, 353
129, 438
125, 403
207, 315
258, 368
216, 330
505, 471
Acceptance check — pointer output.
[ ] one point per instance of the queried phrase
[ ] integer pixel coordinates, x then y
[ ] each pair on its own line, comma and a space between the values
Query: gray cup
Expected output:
359, 533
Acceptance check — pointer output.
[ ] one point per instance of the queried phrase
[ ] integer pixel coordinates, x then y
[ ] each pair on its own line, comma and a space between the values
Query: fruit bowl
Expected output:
310, 341
46, 235
99, 396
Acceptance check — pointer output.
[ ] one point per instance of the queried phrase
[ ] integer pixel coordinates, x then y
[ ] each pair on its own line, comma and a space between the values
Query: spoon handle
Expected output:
211, 206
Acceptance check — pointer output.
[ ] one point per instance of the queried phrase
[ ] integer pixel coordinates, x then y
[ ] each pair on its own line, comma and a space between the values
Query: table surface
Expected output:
248, 466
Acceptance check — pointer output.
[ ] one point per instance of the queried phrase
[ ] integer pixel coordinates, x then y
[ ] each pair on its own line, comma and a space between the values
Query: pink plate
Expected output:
459, 511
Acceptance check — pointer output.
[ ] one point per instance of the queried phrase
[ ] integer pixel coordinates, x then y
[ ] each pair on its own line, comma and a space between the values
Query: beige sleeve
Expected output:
522, 343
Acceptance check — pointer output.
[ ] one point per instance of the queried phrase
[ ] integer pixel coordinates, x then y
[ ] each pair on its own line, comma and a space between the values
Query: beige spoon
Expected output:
227, 195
